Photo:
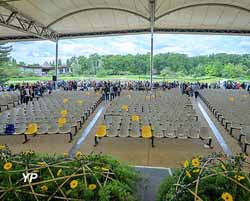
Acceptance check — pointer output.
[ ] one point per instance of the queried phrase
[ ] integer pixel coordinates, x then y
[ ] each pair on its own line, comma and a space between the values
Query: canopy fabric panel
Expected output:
53, 19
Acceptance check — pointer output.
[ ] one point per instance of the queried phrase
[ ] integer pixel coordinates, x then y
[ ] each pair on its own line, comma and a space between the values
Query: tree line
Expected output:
165, 64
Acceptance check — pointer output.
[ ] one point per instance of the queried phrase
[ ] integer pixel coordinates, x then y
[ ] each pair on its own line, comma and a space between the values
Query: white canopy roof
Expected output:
53, 19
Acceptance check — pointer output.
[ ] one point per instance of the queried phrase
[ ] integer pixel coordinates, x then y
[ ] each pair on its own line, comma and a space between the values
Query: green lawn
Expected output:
123, 77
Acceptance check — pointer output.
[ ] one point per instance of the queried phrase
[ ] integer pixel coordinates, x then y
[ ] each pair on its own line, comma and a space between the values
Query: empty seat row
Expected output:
230, 107
169, 114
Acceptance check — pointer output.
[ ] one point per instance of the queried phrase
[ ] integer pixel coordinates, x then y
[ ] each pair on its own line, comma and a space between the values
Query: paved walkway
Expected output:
151, 178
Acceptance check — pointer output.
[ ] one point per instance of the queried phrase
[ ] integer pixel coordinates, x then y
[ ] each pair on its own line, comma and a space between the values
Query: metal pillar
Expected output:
56, 64
152, 20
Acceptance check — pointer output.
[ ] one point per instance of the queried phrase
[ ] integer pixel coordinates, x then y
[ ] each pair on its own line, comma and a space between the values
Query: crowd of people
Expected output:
111, 89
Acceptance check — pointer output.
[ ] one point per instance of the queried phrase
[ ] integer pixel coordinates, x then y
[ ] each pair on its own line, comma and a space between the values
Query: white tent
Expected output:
49, 19
56, 19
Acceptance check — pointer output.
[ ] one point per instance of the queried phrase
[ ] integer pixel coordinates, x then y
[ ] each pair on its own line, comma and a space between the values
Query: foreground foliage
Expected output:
92, 177
216, 178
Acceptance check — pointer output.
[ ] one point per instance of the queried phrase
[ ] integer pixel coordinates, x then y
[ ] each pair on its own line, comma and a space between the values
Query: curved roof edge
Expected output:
132, 32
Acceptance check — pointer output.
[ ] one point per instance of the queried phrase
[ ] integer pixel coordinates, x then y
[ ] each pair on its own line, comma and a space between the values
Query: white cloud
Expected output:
126, 47
41, 51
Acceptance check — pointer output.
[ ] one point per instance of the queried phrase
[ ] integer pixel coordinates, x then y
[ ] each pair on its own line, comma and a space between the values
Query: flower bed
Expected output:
215, 178
92, 177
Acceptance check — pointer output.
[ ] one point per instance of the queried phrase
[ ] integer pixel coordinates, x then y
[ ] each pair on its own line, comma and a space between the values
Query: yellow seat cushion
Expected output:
125, 107
79, 102
146, 131
32, 129
101, 131
231, 99
64, 113
62, 121
65, 100
135, 118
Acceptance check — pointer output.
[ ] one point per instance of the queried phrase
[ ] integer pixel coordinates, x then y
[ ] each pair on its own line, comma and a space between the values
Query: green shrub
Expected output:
215, 178
167, 188
89, 178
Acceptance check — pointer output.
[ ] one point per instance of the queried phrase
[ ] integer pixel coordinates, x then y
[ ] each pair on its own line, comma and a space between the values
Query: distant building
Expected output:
44, 70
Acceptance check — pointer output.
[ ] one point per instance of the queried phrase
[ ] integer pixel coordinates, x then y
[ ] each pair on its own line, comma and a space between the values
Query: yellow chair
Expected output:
125, 107
146, 132
79, 102
100, 133
65, 100
64, 113
135, 118
61, 121
231, 99
32, 129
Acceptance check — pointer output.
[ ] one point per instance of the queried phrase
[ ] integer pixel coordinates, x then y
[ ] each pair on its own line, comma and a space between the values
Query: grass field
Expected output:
123, 77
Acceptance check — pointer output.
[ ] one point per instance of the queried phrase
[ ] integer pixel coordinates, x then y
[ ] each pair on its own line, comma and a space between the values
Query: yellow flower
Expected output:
2, 147
186, 164
44, 188
97, 168
43, 164
239, 178
73, 184
92, 187
188, 174
59, 172
196, 170
196, 162
29, 152
223, 167
227, 196
65, 154
105, 169
7, 166
78, 155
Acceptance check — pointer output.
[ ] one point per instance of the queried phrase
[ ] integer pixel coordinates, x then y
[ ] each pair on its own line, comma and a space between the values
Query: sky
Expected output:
192, 45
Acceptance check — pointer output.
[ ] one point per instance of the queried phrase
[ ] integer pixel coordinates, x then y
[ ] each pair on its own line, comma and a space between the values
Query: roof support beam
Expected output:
56, 69
200, 5
132, 32
22, 23
152, 22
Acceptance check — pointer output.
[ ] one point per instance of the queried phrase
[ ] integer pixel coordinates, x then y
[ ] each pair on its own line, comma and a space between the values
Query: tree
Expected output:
59, 62
233, 71
171, 64
4, 59
21, 63
94, 61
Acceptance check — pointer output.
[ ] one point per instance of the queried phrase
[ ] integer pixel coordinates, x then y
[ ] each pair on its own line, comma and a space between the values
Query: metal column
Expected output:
152, 20
56, 63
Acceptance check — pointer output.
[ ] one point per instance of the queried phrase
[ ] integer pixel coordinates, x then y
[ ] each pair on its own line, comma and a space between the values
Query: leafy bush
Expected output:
215, 178
89, 178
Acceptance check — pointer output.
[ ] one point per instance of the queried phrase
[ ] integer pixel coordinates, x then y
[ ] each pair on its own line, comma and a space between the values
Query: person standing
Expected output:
111, 91
27, 94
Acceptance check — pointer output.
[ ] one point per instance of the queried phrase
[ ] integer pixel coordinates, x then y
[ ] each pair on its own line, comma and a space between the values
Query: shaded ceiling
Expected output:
53, 19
